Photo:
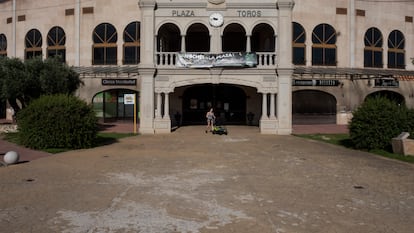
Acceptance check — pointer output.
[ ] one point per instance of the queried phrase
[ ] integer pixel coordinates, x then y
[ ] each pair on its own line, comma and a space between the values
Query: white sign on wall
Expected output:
129, 98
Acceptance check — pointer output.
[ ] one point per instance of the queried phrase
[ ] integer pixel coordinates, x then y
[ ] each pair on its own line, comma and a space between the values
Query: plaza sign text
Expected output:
182, 13
239, 13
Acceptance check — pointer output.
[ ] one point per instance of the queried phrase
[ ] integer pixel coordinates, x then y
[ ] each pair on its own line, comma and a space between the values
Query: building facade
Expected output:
271, 63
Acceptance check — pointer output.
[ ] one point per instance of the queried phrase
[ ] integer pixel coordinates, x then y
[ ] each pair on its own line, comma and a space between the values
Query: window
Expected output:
33, 44
197, 38
3, 45
104, 45
396, 53
169, 38
373, 48
263, 38
132, 43
324, 45
298, 45
56, 39
234, 38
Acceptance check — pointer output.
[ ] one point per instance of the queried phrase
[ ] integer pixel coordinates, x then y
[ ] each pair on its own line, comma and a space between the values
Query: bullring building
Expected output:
269, 63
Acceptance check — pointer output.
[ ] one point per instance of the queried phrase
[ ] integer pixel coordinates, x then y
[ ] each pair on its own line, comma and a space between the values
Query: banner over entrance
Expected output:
200, 60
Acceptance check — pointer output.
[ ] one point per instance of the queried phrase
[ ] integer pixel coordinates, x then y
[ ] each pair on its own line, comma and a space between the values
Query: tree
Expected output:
57, 78
22, 82
377, 121
12, 82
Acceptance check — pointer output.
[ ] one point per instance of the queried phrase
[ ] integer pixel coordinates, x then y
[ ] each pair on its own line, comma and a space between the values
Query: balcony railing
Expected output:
169, 59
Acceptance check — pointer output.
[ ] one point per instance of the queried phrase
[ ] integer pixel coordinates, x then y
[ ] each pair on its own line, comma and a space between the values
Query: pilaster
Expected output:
285, 67
147, 26
284, 101
146, 99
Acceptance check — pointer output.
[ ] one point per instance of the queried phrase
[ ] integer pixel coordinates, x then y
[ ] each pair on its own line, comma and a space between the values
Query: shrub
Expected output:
377, 121
57, 121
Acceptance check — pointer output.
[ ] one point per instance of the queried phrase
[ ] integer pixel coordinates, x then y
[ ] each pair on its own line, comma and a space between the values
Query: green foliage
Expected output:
57, 121
377, 121
25, 81
12, 80
56, 77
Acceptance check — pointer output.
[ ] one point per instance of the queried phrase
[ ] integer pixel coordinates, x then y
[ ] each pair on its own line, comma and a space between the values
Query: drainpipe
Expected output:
77, 33
14, 29
351, 30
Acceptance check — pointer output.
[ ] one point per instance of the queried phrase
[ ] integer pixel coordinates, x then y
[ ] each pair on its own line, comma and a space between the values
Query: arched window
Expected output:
324, 45
298, 44
263, 38
56, 40
3, 45
234, 38
33, 42
104, 45
197, 38
132, 38
373, 48
396, 52
169, 38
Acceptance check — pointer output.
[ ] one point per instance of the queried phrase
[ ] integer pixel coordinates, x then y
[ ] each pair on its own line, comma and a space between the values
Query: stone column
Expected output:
182, 43
285, 67
272, 106
146, 125
248, 45
166, 106
146, 68
147, 26
162, 124
264, 106
284, 101
158, 107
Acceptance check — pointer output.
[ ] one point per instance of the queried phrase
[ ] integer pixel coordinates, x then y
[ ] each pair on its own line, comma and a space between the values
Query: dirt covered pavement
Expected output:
190, 181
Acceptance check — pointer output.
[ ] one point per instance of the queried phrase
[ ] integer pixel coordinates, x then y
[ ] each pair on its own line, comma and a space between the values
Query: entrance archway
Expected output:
393, 96
228, 102
313, 107
109, 105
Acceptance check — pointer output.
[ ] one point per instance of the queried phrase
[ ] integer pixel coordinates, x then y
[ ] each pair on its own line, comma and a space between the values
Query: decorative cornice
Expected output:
251, 5
147, 3
181, 5
285, 4
216, 2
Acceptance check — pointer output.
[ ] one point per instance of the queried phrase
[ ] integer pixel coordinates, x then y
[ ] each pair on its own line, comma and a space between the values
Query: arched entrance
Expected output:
228, 102
313, 107
110, 105
393, 96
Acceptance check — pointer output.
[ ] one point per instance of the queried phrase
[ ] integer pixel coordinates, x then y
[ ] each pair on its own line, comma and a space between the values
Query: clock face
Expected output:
216, 20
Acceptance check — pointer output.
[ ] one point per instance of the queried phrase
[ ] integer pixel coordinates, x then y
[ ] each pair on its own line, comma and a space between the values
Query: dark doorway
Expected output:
197, 38
110, 105
234, 38
313, 107
2, 109
393, 96
228, 102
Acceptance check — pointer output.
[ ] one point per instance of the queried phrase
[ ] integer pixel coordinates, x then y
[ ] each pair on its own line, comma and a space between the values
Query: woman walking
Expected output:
210, 120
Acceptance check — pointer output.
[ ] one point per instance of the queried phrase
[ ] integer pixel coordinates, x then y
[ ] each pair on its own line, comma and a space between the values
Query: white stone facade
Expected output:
271, 90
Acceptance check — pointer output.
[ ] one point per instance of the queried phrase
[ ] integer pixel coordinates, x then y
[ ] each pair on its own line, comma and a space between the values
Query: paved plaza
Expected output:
190, 181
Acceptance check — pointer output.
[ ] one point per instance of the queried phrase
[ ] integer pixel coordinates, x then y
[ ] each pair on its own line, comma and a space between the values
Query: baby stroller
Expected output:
218, 128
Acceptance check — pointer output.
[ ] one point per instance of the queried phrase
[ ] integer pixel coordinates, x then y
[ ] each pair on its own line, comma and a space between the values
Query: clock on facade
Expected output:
216, 19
